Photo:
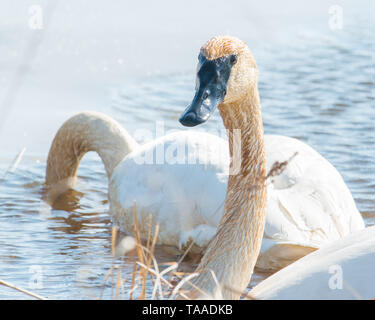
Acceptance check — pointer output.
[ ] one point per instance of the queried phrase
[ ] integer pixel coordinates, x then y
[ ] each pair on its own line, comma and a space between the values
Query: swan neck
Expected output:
233, 252
84, 132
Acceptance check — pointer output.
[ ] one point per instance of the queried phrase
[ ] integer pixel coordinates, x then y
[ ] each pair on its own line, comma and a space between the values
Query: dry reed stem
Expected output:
114, 235
13, 166
138, 248
149, 231
176, 291
247, 296
276, 170
186, 252
118, 282
151, 251
134, 273
105, 280
157, 274
145, 254
29, 293
144, 271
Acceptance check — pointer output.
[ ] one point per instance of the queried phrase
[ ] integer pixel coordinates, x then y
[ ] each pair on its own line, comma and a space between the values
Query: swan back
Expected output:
167, 186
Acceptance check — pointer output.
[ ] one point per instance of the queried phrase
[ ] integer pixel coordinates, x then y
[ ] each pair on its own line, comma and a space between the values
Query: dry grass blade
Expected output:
145, 255
244, 295
276, 169
13, 166
151, 252
159, 275
279, 167
139, 251
118, 282
203, 295
155, 273
114, 235
157, 284
149, 231
173, 265
17, 160
219, 291
105, 280
133, 286
176, 291
186, 252
29, 293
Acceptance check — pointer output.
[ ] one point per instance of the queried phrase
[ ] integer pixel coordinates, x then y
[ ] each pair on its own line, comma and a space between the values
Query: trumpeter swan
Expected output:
308, 201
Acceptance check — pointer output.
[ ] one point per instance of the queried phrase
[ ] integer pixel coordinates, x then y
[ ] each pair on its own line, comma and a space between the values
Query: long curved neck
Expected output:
233, 252
84, 132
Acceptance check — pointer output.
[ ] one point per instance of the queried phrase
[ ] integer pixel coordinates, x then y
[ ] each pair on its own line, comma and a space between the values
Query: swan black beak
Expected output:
212, 80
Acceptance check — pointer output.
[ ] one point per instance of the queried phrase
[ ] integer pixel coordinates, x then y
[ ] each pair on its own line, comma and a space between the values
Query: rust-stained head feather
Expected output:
221, 46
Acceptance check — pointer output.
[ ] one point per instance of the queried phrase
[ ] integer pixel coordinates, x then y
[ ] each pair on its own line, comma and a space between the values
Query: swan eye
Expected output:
205, 95
233, 59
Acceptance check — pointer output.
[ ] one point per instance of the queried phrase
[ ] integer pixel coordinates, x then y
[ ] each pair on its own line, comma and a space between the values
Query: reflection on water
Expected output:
318, 90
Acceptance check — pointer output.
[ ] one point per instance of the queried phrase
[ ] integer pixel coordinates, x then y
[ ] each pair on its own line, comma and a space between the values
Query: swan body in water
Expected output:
162, 176
181, 180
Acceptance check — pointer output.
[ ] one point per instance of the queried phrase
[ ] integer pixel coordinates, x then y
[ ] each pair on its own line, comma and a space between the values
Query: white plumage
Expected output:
185, 197
308, 205
343, 269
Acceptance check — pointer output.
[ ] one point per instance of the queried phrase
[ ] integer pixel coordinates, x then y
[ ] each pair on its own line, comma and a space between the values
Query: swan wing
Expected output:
309, 204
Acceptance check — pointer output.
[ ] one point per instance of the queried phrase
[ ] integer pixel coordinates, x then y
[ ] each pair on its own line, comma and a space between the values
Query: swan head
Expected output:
225, 72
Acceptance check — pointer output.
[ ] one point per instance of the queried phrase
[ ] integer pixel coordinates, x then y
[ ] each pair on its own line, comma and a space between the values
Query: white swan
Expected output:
343, 269
162, 176
225, 82
308, 205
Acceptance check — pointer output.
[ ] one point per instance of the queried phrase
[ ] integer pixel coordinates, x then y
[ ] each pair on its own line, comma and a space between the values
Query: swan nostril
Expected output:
233, 59
188, 119
190, 116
